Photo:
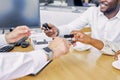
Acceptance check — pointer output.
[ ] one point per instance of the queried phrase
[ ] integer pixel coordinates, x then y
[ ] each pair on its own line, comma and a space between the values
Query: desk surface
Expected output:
78, 66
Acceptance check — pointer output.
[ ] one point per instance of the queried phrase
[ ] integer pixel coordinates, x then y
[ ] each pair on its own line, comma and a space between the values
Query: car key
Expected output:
45, 25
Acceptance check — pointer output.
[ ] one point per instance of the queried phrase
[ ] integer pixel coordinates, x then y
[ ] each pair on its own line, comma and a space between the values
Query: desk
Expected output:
20, 49
76, 66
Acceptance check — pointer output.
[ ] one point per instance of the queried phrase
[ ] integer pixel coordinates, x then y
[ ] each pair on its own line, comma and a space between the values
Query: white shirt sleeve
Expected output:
78, 23
2, 40
110, 47
18, 64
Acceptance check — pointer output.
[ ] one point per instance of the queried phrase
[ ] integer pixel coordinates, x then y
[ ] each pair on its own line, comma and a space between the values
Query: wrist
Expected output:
96, 43
48, 52
91, 41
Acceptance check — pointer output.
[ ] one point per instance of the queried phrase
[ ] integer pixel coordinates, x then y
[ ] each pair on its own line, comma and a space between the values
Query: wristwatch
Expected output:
48, 52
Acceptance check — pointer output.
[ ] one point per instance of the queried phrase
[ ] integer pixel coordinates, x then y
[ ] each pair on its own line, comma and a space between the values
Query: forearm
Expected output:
97, 43
21, 63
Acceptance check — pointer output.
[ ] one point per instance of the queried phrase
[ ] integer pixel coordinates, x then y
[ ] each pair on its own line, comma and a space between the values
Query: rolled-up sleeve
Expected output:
110, 47
3, 40
16, 64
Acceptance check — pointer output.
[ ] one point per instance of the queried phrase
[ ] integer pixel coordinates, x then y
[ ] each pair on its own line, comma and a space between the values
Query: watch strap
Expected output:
48, 52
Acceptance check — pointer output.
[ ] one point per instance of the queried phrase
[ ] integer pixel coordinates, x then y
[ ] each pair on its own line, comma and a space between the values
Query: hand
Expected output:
59, 46
17, 34
116, 55
81, 37
53, 32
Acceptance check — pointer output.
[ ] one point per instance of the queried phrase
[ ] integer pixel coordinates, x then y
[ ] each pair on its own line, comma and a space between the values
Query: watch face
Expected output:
47, 49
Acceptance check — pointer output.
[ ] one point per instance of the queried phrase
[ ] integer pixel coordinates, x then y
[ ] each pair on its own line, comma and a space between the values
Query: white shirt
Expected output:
102, 28
2, 40
18, 64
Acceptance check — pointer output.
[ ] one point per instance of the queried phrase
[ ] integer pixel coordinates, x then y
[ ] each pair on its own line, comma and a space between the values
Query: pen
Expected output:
114, 51
111, 49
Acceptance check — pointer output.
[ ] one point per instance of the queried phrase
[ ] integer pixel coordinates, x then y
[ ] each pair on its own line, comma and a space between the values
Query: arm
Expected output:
81, 37
30, 62
17, 64
77, 24
96, 43
106, 47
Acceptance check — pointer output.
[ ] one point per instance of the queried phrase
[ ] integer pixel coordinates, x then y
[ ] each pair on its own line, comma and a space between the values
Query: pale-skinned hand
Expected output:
17, 34
59, 46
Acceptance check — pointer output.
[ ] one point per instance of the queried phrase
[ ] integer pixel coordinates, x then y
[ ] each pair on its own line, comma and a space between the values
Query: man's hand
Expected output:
17, 34
59, 46
81, 37
116, 55
53, 32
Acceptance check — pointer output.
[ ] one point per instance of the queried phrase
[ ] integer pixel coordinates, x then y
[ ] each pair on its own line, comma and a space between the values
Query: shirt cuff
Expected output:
3, 41
108, 48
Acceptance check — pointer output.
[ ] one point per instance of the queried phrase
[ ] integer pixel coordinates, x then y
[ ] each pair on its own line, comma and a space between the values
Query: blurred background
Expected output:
85, 3
61, 12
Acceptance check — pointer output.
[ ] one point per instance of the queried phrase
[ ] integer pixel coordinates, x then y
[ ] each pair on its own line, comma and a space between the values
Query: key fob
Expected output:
45, 25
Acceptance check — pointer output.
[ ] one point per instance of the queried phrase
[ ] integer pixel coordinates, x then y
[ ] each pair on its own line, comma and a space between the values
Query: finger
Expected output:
76, 37
73, 32
74, 44
43, 28
23, 28
51, 25
23, 31
116, 55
